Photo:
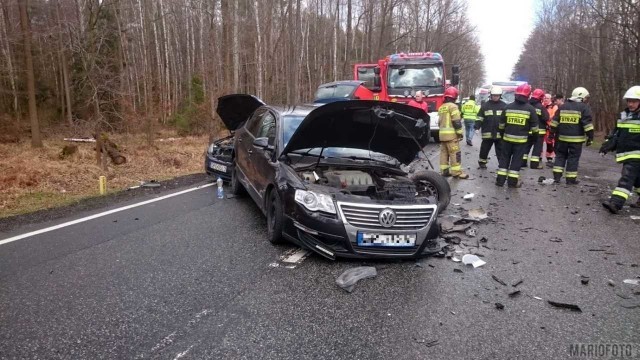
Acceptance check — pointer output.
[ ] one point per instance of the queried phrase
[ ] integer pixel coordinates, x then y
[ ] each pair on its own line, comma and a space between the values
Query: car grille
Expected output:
407, 217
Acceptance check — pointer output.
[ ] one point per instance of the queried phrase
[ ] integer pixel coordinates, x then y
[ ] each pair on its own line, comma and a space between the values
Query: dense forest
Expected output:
131, 65
590, 43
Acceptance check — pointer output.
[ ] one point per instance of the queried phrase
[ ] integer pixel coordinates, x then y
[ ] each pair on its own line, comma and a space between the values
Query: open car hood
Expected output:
393, 129
235, 109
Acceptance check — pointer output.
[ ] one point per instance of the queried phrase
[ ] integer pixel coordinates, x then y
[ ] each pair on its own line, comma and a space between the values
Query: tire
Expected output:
274, 217
430, 183
237, 188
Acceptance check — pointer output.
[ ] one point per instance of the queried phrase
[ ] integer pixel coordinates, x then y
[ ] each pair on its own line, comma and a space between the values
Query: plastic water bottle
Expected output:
220, 189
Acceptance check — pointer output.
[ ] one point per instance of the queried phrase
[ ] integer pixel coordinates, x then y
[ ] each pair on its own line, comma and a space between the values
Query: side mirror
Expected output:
455, 79
377, 81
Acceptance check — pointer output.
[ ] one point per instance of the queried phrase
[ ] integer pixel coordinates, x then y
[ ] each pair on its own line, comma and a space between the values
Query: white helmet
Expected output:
579, 94
632, 93
496, 90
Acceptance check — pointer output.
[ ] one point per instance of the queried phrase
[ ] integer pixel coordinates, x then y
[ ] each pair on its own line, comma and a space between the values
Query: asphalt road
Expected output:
193, 277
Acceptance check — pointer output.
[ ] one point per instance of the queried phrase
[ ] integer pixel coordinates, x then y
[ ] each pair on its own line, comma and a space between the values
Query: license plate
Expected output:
390, 240
219, 167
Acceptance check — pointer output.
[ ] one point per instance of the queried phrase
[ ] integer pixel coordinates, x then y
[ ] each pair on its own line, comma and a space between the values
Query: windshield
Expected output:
366, 74
291, 123
333, 92
508, 96
413, 76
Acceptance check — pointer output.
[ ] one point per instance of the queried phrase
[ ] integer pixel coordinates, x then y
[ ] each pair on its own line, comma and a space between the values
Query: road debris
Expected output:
572, 307
555, 239
472, 232
584, 280
468, 197
514, 293
537, 298
515, 284
634, 217
457, 270
474, 260
432, 343
499, 306
498, 280
611, 283
626, 281
478, 214
348, 279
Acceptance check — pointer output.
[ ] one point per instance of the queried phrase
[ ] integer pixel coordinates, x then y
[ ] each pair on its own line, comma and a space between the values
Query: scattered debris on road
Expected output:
478, 214
611, 283
555, 239
348, 279
472, 232
498, 280
514, 293
515, 284
474, 260
468, 197
572, 307
626, 281
499, 306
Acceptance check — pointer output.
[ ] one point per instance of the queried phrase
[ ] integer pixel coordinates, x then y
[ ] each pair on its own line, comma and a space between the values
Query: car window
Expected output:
255, 121
267, 128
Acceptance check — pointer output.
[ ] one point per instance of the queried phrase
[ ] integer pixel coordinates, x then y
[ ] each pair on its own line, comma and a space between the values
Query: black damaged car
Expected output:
329, 178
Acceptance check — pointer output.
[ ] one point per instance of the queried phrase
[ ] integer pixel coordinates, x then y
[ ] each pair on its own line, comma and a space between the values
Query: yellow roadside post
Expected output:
103, 185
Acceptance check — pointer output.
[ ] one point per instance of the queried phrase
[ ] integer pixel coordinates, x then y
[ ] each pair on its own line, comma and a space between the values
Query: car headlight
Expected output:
211, 147
315, 202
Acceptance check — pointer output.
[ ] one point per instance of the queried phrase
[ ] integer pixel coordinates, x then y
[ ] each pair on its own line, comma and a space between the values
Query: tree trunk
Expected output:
65, 71
259, 66
36, 140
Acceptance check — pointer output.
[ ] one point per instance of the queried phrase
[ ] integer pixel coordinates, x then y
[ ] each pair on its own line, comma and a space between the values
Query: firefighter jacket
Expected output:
543, 115
449, 122
470, 110
489, 119
627, 137
572, 122
518, 118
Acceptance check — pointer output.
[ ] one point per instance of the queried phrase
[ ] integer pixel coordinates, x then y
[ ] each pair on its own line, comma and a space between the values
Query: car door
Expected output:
244, 149
262, 158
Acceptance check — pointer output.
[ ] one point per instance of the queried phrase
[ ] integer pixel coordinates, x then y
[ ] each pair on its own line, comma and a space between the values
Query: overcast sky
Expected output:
503, 26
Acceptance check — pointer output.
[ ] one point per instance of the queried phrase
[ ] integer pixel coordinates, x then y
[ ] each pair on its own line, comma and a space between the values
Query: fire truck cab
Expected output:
397, 77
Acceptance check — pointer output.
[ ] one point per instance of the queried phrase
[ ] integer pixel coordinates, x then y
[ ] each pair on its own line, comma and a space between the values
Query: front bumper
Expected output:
334, 236
218, 168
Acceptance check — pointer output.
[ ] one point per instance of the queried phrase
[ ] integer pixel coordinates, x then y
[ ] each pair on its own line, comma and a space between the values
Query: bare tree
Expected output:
36, 140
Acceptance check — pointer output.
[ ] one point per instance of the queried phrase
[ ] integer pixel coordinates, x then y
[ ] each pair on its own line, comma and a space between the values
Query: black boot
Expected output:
513, 182
482, 165
557, 177
636, 205
446, 173
572, 181
611, 206
500, 180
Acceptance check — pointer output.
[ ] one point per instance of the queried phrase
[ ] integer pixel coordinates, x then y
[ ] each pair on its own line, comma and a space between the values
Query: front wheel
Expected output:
236, 187
274, 217
431, 184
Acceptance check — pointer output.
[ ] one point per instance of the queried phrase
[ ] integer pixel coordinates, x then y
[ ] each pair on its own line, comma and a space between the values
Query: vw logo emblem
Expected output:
387, 218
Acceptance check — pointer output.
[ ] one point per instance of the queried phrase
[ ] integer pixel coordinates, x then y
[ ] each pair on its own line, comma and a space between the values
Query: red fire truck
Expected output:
398, 76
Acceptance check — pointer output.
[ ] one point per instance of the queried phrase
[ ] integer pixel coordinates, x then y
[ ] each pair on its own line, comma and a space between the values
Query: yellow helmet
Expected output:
496, 90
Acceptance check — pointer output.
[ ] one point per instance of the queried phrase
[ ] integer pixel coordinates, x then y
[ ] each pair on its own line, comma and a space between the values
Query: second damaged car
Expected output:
329, 177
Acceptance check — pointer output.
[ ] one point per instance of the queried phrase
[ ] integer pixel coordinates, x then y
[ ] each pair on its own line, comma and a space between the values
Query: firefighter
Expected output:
488, 121
626, 142
535, 143
418, 101
517, 120
469, 114
571, 126
450, 134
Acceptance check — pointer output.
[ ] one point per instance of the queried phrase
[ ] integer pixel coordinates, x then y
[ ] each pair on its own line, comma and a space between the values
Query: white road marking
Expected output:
182, 353
95, 216
164, 342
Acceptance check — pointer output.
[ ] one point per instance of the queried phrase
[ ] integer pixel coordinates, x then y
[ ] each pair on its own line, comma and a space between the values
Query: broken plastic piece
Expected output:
626, 281
478, 214
348, 279
514, 293
473, 260
498, 280
555, 239
455, 259
468, 197
471, 232
548, 181
584, 281
573, 307
150, 184
537, 298
635, 217
611, 283
457, 270
499, 306
515, 284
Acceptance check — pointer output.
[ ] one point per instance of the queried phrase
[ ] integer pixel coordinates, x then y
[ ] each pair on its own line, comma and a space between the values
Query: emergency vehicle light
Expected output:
415, 56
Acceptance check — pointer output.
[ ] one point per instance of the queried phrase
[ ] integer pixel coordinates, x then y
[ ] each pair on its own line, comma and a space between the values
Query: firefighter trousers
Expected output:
510, 163
485, 147
450, 157
567, 160
536, 153
630, 178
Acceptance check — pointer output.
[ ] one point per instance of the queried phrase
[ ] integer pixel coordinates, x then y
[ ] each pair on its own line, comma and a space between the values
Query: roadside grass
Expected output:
35, 179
